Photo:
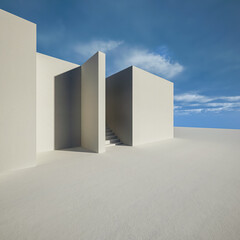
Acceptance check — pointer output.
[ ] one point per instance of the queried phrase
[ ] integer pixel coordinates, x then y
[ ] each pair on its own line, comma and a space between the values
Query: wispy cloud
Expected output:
191, 97
188, 103
89, 48
150, 61
223, 104
188, 111
194, 97
234, 98
122, 55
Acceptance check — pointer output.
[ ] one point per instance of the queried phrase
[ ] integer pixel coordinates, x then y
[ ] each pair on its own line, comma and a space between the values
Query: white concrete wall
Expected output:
152, 107
93, 103
119, 105
17, 92
47, 68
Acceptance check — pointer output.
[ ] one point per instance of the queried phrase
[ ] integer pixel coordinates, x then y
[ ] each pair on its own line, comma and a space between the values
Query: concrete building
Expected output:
70, 104
139, 106
49, 104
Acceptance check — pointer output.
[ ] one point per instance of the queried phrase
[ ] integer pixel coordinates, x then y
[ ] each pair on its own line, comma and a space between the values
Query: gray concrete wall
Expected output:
47, 68
93, 103
68, 109
152, 107
17, 92
119, 105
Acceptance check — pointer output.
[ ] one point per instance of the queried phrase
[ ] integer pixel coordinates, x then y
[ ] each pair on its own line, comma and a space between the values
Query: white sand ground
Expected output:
184, 188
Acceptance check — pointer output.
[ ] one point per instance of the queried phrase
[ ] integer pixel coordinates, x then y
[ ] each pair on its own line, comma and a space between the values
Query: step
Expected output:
113, 144
110, 134
116, 140
111, 137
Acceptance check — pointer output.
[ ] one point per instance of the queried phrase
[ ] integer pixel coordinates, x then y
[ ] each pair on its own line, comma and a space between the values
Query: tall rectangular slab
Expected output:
152, 107
17, 92
93, 103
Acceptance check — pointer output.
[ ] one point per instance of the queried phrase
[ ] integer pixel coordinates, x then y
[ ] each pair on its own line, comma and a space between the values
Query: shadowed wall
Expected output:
47, 68
119, 104
68, 109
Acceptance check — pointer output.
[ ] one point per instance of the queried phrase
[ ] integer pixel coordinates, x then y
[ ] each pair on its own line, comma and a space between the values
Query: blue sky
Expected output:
195, 44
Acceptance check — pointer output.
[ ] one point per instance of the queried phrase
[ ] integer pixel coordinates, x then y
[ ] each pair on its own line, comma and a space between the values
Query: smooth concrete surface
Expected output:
47, 68
17, 92
182, 188
93, 103
152, 107
68, 109
119, 109
139, 106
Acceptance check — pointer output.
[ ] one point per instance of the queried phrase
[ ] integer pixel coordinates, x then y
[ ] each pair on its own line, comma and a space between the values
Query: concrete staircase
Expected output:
111, 138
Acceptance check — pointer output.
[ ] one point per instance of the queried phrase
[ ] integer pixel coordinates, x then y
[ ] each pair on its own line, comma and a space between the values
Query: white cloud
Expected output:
190, 97
151, 62
88, 49
219, 109
226, 104
197, 110
188, 111
234, 98
187, 103
123, 55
